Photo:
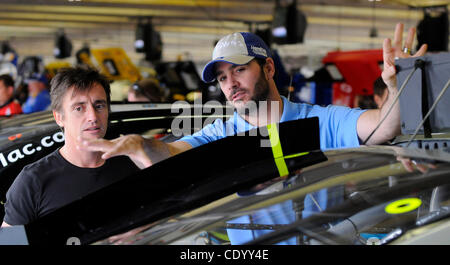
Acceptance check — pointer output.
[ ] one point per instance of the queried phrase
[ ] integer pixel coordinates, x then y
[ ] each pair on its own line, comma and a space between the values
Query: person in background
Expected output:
8, 105
146, 90
375, 101
380, 92
21, 93
365, 102
38, 94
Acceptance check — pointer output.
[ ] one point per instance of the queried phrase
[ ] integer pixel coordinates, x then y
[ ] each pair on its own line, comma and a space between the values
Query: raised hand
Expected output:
129, 145
391, 53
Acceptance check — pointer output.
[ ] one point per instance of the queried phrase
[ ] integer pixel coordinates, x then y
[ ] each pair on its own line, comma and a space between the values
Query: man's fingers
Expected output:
106, 156
407, 164
387, 53
101, 145
411, 165
410, 38
421, 51
422, 168
398, 37
388, 73
109, 148
129, 145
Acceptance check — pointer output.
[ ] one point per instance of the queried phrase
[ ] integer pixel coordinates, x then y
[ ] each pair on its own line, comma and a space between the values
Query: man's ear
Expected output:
58, 118
270, 68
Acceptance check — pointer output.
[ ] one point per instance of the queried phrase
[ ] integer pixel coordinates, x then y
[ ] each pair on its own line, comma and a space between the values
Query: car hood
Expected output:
356, 196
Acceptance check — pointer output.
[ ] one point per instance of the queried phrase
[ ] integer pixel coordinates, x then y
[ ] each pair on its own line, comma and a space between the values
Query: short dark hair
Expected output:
81, 78
379, 86
7, 80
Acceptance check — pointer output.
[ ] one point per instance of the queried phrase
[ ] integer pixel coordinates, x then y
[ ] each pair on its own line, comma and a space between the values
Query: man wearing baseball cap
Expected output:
242, 65
38, 94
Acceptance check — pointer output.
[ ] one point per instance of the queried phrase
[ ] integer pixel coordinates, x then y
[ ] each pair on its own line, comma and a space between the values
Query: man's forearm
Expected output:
156, 150
390, 127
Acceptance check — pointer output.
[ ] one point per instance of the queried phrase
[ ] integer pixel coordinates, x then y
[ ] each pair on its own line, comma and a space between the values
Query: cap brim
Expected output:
209, 75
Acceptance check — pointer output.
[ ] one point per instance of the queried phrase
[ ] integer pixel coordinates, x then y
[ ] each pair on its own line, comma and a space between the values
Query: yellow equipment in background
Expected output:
53, 67
115, 64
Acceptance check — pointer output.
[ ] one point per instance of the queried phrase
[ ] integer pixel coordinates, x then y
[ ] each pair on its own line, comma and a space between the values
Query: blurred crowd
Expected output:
25, 88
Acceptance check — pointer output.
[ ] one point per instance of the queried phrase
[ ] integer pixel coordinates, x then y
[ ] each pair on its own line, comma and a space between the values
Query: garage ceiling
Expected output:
189, 28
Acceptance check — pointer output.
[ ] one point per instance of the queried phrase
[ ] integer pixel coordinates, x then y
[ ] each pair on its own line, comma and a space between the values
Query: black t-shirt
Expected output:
53, 182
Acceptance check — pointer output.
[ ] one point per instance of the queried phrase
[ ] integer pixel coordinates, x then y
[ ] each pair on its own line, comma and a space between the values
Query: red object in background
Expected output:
358, 68
343, 94
14, 137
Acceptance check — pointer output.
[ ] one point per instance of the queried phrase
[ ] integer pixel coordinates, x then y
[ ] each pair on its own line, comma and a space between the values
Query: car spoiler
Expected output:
183, 182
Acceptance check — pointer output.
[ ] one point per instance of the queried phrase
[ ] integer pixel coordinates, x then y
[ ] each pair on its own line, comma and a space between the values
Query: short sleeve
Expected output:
339, 127
209, 133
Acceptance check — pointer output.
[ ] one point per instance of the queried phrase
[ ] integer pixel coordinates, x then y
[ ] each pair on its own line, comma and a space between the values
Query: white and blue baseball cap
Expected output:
237, 48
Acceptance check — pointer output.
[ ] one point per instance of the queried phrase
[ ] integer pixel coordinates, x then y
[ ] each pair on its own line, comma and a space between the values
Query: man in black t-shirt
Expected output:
80, 103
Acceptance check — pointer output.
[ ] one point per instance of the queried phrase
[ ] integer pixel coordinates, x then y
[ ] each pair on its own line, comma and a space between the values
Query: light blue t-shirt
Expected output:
39, 103
337, 125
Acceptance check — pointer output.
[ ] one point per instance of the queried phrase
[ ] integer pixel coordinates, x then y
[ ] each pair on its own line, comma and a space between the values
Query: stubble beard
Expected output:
261, 92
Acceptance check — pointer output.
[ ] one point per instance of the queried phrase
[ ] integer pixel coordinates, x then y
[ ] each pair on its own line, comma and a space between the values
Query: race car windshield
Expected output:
353, 198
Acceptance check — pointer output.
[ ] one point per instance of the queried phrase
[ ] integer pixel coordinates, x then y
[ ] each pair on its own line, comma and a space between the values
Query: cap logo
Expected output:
233, 43
259, 50
227, 47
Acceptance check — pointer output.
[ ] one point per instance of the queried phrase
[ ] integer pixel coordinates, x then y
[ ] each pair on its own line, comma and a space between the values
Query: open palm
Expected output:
392, 52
